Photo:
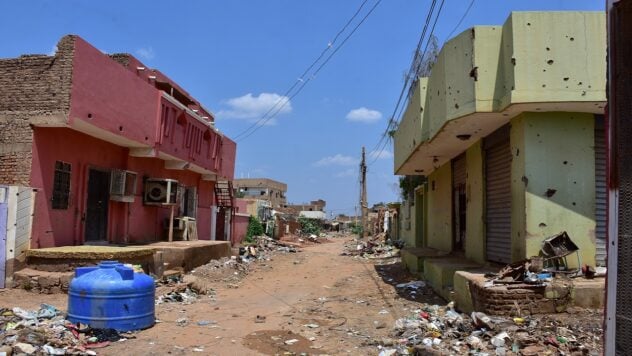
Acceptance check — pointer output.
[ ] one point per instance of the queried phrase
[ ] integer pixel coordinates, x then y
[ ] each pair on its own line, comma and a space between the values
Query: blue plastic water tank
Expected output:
112, 296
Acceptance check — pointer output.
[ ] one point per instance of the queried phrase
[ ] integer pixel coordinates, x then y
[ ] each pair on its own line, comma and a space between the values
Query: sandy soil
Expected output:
342, 296
313, 302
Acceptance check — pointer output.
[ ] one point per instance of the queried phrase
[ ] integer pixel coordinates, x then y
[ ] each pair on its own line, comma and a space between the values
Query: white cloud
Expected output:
146, 53
346, 173
53, 51
250, 107
337, 160
364, 115
383, 154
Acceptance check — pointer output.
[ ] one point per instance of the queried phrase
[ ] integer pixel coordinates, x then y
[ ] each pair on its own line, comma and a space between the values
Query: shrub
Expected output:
254, 228
309, 226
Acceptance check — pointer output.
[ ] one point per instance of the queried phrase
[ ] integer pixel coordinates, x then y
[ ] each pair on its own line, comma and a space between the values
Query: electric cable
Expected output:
285, 99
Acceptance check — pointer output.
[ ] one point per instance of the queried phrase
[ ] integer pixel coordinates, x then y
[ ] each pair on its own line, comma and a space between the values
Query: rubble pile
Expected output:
442, 330
186, 296
46, 331
263, 248
378, 246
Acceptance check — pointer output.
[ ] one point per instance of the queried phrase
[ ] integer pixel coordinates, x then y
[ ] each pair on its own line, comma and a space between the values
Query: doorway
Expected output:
97, 206
459, 212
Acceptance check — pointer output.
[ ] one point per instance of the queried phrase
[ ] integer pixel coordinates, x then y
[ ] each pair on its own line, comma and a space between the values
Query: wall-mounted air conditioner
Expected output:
160, 191
122, 185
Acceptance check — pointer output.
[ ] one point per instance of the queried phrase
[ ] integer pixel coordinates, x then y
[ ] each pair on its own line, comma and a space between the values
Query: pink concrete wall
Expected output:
229, 155
122, 102
182, 135
240, 227
137, 222
106, 95
64, 227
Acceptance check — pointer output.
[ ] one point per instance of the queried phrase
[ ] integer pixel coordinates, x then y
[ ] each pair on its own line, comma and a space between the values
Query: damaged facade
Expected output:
509, 133
109, 146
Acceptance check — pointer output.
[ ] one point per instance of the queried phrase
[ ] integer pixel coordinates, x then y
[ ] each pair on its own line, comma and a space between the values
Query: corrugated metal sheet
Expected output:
458, 171
24, 220
600, 191
498, 201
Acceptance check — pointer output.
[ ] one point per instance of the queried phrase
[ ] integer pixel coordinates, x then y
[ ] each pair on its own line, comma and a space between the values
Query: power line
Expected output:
391, 122
409, 75
285, 99
300, 78
461, 20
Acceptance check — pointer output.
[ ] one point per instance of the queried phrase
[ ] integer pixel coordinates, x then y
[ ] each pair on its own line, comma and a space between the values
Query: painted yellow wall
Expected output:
518, 188
408, 136
439, 213
407, 224
557, 151
421, 216
475, 194
452, 89
535, 61
558, 56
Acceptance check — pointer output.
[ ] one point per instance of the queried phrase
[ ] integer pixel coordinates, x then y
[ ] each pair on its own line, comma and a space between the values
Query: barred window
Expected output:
61, 185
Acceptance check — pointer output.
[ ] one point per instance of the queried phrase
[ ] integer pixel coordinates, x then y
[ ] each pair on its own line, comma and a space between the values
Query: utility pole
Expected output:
363, 199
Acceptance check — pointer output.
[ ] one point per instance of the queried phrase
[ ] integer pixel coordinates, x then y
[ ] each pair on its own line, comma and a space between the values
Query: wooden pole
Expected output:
173, 208
363, 197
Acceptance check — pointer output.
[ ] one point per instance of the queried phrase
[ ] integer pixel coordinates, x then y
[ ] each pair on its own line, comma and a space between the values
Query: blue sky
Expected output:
238, 57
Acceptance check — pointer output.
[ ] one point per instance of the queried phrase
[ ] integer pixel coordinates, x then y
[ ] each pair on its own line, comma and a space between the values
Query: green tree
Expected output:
309, 226
254, 228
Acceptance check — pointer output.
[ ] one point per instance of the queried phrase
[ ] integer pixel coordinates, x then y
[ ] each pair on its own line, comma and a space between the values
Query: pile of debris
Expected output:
539, 271
443, 330
230, 271
263, 248
46, 331
378, 246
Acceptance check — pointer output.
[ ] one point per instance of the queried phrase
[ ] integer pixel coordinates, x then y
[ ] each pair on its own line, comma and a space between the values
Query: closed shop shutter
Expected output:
600, 191
458, 170
498, 197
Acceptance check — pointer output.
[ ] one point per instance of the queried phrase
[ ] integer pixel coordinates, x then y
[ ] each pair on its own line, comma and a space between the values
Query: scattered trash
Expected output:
186, 296
378, 246
412, 285
291, 341
46, 331
446, 331
206, 322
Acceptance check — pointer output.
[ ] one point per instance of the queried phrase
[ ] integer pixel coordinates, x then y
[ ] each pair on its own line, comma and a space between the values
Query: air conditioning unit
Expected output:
160, 191
122, 186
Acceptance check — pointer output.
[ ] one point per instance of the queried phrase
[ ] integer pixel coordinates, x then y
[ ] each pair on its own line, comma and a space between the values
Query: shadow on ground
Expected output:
393, 272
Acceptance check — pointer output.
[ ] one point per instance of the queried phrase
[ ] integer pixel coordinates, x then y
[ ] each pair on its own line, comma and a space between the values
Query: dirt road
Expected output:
314, 301
330, 304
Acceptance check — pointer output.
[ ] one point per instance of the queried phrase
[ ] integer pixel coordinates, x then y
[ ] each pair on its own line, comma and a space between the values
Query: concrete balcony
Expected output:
536, 61
128, 107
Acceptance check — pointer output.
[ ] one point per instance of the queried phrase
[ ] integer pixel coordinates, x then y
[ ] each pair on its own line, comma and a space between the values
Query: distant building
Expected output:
262, 189
320, 215
314, 205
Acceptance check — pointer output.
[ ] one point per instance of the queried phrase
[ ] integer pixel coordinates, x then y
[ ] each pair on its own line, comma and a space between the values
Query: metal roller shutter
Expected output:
498, 198
600, 191
458, 170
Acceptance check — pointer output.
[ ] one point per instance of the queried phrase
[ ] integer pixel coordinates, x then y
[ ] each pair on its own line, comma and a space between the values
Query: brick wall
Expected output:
30, 86
500, 300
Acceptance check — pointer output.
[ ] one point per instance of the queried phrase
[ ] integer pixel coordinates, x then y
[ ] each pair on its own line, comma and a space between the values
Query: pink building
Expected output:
110, 146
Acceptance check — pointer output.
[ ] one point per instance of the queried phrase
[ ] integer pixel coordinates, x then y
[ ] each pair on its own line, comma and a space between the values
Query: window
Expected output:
61, 185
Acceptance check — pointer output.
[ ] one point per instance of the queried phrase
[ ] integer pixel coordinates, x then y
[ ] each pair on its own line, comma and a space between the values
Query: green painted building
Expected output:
509, 133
